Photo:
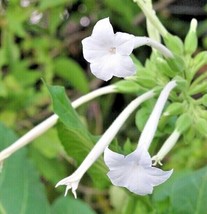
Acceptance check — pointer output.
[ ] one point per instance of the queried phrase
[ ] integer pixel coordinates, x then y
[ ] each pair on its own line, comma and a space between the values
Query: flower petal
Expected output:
103, 31
113, 65
158, 176
134, 171
111, 158
124, 66
100, 42
92, 49
132, 177
71, 182
141, 156
124, 43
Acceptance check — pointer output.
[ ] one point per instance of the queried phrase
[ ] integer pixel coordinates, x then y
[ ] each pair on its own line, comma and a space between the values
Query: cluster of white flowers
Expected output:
109, 55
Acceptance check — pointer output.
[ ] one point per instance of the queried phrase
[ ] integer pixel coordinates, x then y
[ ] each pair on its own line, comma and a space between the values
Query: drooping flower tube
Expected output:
167, 146
51, 121
135, 171
109, 53
72, 181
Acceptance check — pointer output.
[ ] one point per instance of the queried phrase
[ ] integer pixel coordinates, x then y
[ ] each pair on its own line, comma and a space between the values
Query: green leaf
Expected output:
127, 86
20, 187
45, 4
75, 138
70, 205
52, 169
187, 192
71, 71
48, 144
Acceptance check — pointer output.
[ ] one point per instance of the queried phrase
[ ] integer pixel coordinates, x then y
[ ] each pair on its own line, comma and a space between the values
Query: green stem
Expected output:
151, 16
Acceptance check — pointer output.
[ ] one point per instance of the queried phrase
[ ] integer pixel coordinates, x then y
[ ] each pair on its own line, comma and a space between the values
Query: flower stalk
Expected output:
152, 123
73, 180
51, 121
146, 7
167, 146
139, 41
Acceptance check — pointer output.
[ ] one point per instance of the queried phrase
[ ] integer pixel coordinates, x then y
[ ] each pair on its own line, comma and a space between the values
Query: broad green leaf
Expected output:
48, 144
71, 71
187, 193
52, 169
20, 188
70, 205
75, 138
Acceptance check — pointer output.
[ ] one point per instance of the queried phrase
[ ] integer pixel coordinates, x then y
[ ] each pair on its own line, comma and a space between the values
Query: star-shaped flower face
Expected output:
109, 53
71, 182
134, 171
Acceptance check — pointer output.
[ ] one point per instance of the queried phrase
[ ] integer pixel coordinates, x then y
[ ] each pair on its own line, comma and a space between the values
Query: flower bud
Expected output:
204, 100
174, 109
127, 86
201, 88
201, 127
145, 79
183, 122
174, 43
199, 61
181, 82
191, 40
163, 67
176, 64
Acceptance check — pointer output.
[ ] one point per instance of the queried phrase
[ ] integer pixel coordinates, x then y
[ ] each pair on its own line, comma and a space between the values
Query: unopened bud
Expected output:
191, 40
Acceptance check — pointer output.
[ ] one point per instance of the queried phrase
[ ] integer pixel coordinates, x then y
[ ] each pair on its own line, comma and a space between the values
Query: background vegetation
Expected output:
41, 39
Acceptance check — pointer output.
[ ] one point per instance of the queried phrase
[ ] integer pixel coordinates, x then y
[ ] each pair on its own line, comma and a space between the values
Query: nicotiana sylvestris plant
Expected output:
168, 78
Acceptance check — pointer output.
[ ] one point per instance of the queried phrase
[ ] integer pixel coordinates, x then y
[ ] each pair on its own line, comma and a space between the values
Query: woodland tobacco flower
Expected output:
72, 181
135, 171
109, 53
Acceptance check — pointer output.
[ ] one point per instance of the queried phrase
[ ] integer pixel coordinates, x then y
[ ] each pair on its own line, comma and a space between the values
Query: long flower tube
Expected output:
167, 146
143, 40
51, 121
135, 171
73, 180
152, 123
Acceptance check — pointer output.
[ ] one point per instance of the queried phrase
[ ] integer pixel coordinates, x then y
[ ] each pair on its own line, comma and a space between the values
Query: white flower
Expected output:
109, 53
134, 171
71, 182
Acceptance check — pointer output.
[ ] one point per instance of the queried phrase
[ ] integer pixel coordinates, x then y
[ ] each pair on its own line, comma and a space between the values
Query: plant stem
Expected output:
151, 16
167, 146
139, 41
110, 133
51, 121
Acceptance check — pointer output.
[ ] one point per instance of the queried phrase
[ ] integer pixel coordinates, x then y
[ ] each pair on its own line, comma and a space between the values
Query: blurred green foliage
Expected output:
41, 39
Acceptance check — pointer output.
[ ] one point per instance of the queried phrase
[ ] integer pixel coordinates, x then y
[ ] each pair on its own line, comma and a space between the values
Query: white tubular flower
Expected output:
152, 123
72, 181
135, 171
109, 53
167, 146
